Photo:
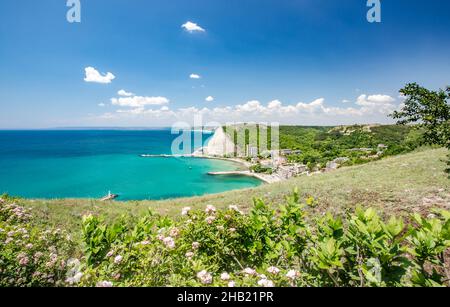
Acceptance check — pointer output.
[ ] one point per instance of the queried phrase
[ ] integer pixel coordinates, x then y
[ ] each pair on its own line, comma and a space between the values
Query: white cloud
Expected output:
192, 27
373, 100
124, 93
92, 75
274, 104
209, 99
366, 109
101, 104
346, 101
194, 76
376, 103
139, 101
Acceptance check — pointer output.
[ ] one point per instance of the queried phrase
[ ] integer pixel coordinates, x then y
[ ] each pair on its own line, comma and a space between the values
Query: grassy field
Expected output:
403, 184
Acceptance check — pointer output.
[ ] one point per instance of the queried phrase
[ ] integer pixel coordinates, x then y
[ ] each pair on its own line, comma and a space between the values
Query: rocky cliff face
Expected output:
220, 144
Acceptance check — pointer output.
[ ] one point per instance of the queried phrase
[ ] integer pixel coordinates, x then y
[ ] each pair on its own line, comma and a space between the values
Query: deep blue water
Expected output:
89, 163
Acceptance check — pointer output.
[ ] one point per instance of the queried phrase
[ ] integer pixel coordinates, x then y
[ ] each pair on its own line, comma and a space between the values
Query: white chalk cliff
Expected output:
220, 144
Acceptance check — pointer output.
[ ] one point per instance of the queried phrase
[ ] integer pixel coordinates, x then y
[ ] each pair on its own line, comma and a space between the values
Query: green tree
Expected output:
429, 110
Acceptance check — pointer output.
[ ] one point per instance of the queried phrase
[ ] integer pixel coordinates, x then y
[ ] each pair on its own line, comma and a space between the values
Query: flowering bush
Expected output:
274, 247
269, 246
30, 256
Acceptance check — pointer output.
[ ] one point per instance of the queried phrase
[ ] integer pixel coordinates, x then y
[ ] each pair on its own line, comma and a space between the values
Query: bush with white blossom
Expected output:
266, 247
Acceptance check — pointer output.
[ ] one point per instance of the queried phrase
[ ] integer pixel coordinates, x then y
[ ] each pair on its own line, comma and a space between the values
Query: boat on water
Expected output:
110, 196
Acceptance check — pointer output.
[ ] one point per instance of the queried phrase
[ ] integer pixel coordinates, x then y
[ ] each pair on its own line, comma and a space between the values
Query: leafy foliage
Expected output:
320, 145
429, 110
269, 246
30, 256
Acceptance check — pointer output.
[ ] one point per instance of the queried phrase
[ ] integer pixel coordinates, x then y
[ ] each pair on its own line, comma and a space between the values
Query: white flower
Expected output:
273, 270
225, 276
24, 261
234, 208
75, 279
189, 255
292, 274
232, 230
249, 271
210, 209
118, 259
104, 284
195, 245
204, 277
72, 262
231, 284
220, 228
185, 210
110, 253
210, 219
174, 232
265, 283
169, 242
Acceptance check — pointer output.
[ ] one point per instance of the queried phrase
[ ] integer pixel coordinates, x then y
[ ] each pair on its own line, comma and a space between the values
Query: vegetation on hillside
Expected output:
323, 144
430, 110
269, 246
397, 185
319, 145
329, 241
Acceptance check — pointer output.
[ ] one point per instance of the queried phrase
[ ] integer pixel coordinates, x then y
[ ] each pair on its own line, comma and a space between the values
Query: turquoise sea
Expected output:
89, 163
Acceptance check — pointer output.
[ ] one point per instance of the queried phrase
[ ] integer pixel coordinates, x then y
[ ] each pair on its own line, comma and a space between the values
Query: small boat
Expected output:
109, 197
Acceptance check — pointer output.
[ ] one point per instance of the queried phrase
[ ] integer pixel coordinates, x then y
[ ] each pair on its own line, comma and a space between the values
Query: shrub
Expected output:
29, 255
268, 246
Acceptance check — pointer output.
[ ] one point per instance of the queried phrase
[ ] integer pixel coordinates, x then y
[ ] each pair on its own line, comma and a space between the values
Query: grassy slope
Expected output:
400, 184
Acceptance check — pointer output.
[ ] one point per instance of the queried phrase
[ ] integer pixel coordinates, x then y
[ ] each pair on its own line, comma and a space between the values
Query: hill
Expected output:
413, 182
316, 146
289, 242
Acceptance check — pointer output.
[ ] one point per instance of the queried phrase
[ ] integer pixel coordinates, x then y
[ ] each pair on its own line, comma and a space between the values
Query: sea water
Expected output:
89, 163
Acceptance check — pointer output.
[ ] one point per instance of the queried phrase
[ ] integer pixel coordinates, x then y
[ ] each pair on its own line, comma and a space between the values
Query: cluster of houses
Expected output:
277, 160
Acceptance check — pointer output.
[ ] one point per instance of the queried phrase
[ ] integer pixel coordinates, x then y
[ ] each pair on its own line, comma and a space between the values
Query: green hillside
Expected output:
319, 145
399, 238
413, 182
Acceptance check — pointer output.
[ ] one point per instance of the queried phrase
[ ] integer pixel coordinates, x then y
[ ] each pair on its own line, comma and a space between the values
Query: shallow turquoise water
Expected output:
80, 164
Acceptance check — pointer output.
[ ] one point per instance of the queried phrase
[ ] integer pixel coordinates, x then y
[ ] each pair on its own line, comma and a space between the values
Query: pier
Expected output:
263, 177
109, 197
243, 173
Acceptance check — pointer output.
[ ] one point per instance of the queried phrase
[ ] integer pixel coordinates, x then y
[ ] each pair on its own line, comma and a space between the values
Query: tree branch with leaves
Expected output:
429, 110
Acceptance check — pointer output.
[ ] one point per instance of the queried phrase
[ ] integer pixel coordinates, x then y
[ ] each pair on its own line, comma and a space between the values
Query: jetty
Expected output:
263, 177
240, 173
166, 156
109, 197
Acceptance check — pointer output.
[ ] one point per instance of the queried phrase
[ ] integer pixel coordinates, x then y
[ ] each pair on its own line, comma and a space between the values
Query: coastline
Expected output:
217, 148
263, 177
268, 179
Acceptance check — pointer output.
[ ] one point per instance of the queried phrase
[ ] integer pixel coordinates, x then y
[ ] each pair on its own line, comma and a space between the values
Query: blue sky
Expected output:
296, 62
